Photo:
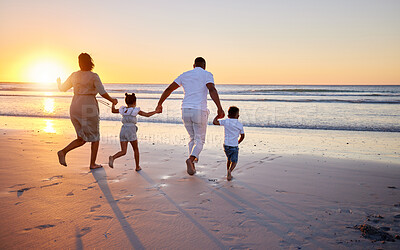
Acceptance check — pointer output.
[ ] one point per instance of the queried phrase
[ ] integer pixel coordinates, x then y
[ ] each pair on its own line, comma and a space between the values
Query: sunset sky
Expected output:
282, 42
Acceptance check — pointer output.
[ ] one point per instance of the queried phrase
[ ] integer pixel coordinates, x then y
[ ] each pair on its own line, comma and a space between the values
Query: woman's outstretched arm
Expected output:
114, 101
64, 87
113, 109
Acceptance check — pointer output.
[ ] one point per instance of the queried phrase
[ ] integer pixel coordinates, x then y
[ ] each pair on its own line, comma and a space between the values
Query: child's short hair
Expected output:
130, 98
233, 111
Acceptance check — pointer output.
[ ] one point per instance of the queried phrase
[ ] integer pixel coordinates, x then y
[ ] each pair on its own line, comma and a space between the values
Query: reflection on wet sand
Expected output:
49, 127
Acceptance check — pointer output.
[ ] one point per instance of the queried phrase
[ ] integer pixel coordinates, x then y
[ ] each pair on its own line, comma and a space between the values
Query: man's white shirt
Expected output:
194, 87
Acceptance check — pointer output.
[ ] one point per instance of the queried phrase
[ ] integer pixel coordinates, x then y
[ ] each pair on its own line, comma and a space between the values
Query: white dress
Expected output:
129, 120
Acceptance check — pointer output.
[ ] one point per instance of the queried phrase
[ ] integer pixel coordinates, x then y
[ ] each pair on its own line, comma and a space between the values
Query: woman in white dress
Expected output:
84, 109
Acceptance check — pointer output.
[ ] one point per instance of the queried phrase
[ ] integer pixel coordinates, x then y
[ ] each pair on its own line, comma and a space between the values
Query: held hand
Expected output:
114, 101
159, 109
221, 114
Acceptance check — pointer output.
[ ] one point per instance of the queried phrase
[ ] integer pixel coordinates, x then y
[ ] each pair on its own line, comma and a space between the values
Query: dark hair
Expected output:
200, 62
233, 111
130, 98
85, 62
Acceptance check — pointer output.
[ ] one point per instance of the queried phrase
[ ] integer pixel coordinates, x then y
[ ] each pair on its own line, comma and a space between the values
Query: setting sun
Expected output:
45, 71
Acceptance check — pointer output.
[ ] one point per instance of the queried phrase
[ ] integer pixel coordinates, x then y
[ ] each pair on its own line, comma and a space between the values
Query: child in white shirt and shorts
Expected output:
233, 129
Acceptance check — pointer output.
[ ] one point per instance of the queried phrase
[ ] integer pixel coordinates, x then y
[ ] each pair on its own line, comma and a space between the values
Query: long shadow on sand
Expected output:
186, 214
101, 178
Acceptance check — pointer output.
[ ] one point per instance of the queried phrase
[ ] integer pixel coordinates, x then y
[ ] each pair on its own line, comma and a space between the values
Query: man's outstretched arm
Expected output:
215, 97
165, 95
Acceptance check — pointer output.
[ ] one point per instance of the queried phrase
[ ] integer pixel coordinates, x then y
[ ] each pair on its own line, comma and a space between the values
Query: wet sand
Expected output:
276, 200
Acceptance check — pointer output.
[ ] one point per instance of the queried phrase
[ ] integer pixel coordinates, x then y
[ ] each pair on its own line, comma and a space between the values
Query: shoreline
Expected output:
355, 145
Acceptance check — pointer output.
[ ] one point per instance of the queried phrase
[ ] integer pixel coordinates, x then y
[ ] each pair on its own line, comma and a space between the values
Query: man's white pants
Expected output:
195, 121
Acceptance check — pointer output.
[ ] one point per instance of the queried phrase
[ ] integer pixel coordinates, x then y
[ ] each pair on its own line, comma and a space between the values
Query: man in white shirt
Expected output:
196, 84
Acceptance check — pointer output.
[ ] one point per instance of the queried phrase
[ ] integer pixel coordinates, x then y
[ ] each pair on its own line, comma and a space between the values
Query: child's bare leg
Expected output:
124, 145
63, 152
228, 167
228, 164
233, 165
93, 155
136, 154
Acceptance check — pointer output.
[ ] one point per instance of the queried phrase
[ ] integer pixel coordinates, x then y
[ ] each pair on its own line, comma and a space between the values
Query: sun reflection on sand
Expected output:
48, 105
49, 128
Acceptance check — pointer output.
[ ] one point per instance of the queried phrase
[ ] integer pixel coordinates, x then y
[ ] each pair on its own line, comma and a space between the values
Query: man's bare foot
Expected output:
61, 158
194, 167
138, 168
190, 167
95, 166
229, 176
111, 161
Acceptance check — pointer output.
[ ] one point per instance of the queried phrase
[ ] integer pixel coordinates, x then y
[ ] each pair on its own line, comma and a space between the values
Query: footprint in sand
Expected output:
70, 193
21, 191
54, 177
198, 208
89, 187
52, 184
169, 212
102, 217
17, 185
41, 227
83, 231
92, 209
234, 237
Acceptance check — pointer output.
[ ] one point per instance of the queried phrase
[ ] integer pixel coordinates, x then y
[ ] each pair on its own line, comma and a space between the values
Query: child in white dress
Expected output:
128, 129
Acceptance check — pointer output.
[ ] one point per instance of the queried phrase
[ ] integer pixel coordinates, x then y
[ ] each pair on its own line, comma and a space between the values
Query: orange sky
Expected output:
304, 42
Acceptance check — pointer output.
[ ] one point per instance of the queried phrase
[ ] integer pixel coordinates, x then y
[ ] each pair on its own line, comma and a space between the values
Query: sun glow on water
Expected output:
48, 105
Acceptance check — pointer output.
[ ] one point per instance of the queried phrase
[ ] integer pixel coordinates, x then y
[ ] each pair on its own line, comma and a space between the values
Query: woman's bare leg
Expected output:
124, 145
93, 155
63, 152
135, 147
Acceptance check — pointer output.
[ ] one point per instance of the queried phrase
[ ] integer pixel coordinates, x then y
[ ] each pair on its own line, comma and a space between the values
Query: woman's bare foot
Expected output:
229, 176
111, 161
189, 167
61, 158
95, 166
138, 168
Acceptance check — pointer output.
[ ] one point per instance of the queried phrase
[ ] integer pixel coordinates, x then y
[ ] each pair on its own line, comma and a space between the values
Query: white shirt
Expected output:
233, 128
194, 87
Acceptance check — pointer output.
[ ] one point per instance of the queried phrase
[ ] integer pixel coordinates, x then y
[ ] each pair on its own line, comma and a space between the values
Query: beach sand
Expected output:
282, 196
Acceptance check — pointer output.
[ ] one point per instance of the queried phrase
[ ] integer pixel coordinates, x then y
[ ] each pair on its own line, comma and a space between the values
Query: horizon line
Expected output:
273, 84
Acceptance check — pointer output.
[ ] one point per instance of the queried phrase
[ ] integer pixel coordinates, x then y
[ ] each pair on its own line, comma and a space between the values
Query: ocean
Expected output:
312, 107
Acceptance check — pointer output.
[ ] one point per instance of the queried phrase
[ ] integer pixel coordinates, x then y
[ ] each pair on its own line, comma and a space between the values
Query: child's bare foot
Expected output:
229, 176
190, 167
95, 166
111, 161
61, 158
138, 168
